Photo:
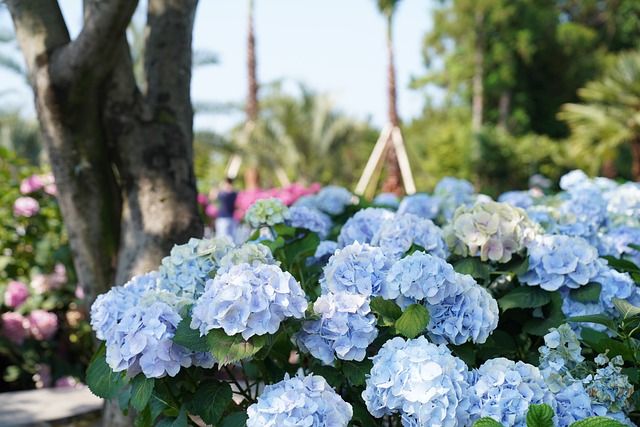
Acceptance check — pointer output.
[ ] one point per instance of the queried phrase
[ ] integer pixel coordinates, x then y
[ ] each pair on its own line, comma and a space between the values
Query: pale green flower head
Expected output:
266, 212
492, 230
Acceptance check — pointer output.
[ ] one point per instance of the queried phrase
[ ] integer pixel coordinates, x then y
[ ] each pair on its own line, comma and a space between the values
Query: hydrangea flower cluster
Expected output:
249, 253
16, 294
324, 251
308, 401
43, 325
358, 269
616, 242
422, 205
556, 261
574, 179
137, 321
311, 219
505, 389
519, 199
609, 386
392, 236
494, 231
15, 327
386, 199
249, 300
26, 207
453, 192
189, 266
362, 226
266, 212
560, 357
422, 381
584, 213
142, 342
344, 330
333, 199
624, 200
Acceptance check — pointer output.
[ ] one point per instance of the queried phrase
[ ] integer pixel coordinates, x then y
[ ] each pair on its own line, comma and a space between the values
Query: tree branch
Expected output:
40, 29
97, 43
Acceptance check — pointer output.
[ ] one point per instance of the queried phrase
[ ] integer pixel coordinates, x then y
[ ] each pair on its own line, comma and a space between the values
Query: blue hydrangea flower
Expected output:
395, 238
609, 387
386, 199
616, 243
547, 217
584, 213
560, 357
452, 193
573, 179
109, 308
358, 269
422, 381
363, 225
190, 265
624, 200
491, 230
422, 205
324, 251
266, 212
469, 313
573, 404
519, 199
249, 253
249, 300
333, 199
310, 218
142, 342
421, 276
299, 401
344, 330
556, 261
505, 389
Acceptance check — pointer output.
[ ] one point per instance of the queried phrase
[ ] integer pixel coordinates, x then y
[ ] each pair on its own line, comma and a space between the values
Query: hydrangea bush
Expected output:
443, 309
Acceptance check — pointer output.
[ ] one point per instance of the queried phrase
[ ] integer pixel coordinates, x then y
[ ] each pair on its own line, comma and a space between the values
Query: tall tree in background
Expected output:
252, 179
393, 183
121, 154
608, 119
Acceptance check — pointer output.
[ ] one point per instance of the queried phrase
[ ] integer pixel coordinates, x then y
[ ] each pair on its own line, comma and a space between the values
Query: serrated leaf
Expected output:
525, 297
587, 293
141, 389
210, 400
189, 338
356, 372
413, 321
597, 422
228, 349
237, 419
386, 310
600, 319
540, 416
486, 422
101, 380
625, 308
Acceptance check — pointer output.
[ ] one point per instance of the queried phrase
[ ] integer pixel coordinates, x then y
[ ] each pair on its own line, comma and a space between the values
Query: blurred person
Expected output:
226, 195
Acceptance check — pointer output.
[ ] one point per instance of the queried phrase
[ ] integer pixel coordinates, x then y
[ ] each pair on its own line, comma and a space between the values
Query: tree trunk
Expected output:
393, 182
609, 169
251, 175
122, 158
478, 75
635, 157
504, 108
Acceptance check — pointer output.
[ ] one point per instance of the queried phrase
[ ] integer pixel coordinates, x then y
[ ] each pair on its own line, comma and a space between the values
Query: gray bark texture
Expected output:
121, 155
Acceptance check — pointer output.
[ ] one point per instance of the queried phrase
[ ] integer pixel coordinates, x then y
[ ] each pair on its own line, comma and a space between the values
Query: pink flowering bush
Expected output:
44, 332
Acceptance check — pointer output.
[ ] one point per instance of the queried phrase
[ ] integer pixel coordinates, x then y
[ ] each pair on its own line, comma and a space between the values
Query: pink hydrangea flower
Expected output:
211, 211
26, 206
15, 327
31, 184
203, 199
43, 325
16, 294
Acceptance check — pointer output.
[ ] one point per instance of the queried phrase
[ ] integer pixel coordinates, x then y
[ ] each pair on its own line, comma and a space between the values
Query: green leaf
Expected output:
540, 327
302, 248
333, 376
486, 422
101, 380
474, 267
228, 349
517, 265
600, 342
600, 319
525, 297
237, 419
189, 338
274, 245
210, 400
356, 372
540, 416
361, 415
179, 421
622, 265
587, 293
625, 308
141, 389
284, 230
597, 422
413, 321
386, 310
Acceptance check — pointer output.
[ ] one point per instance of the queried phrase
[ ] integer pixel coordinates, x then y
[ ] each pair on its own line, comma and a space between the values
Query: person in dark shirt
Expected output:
225, 222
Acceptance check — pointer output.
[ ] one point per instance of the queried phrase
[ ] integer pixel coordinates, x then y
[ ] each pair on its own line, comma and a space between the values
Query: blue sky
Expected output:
333, 46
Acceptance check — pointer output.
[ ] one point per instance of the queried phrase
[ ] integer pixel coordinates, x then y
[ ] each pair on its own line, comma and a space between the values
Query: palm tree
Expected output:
393, 182
609, 117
